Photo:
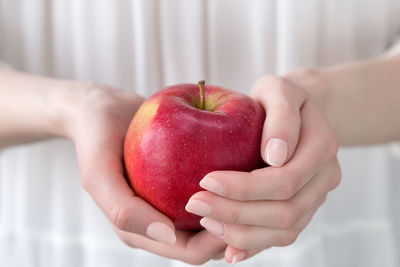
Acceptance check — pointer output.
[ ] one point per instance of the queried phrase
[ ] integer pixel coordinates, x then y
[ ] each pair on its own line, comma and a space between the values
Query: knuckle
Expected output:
119, 216
286, 189
234, 216
289, 217
243, 195
288, 239
286, 88
267, 79
244, 191
237, 239
264, 83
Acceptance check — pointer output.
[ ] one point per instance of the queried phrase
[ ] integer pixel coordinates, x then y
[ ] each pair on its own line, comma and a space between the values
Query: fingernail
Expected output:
212, 185
276, 152
198, 207
238, 257
161, 232
213, 226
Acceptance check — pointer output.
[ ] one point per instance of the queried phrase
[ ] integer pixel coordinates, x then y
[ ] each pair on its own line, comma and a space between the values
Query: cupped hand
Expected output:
271, 206
97, 123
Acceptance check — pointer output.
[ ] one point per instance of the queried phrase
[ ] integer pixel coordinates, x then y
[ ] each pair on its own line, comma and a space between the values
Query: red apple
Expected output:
180, 134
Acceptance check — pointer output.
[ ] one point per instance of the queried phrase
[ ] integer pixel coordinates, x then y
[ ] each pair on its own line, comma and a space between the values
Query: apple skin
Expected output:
171, 145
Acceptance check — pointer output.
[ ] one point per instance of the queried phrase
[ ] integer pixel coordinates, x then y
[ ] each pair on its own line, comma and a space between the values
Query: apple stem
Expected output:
202, 98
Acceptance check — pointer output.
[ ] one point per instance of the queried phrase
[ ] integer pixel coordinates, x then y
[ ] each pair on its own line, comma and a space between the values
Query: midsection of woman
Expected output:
47, 219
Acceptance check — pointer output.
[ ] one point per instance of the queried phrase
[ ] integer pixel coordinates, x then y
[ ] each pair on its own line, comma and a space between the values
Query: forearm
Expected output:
361, 100
29, 107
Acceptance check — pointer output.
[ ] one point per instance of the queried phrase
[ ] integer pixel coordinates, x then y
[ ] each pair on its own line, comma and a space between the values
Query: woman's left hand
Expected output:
271, 206
96, 119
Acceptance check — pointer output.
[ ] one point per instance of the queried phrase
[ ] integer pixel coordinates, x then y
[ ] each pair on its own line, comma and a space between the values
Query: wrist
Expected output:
64, 100
73, 101
83, 102
29, 107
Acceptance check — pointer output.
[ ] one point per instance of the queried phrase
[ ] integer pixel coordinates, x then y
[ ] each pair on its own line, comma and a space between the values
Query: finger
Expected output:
246, 237
234, 255
268, 213
282, 102
193, 248
102, 176
317, 147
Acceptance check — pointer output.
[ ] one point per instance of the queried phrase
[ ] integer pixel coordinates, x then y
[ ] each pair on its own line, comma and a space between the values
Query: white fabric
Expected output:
46, 219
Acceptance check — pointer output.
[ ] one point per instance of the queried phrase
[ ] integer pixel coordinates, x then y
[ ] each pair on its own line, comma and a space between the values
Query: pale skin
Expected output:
312, 111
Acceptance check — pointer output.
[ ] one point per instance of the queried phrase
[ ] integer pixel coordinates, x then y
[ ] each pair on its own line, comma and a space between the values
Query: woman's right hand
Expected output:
97, 123
253, 211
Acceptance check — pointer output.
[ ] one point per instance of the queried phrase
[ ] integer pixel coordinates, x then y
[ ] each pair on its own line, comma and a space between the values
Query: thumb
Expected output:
102, 176
282, 102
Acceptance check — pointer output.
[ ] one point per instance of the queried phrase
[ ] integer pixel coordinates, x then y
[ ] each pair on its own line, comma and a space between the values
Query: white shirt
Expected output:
46, 218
